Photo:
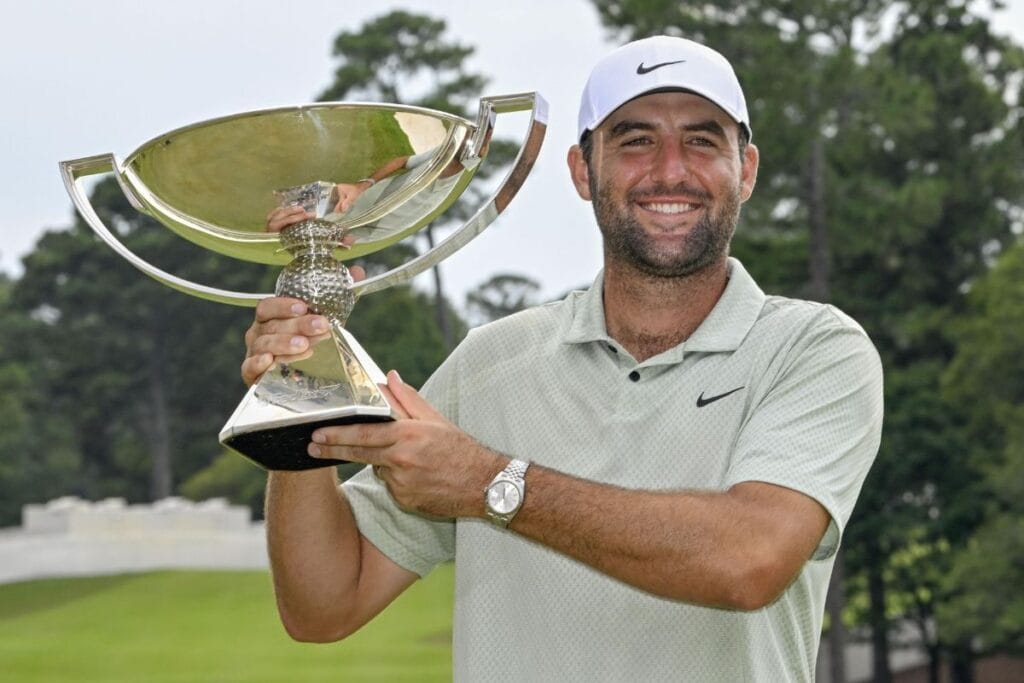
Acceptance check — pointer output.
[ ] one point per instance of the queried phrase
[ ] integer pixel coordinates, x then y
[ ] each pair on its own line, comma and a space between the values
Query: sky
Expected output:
92, 77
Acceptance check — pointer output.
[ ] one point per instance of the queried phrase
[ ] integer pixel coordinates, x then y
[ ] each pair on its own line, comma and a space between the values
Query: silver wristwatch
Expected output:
504, 496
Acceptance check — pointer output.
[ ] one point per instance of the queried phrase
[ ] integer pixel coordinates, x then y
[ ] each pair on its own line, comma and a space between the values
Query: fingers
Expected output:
396, 406
283, 331
409, 401
254, 366
347, 193
280, 218
285, 346
277, 307
365, 443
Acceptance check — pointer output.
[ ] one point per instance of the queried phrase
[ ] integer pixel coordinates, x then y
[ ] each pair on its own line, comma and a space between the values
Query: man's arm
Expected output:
328, 580
737, 549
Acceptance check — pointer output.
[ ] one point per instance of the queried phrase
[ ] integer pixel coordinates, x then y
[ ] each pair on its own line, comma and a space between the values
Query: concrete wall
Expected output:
73, 537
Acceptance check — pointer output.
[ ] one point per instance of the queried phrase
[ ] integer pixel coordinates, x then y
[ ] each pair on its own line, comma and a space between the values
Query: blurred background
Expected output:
891, 184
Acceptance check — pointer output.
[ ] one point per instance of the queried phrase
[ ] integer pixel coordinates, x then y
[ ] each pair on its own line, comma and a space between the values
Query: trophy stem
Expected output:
334, 382
314, 274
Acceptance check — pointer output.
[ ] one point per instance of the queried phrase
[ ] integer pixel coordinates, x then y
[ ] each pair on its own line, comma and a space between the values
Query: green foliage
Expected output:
397, 328
499, 296
392, 53
133, 369
209, 626
228, 476
986, 605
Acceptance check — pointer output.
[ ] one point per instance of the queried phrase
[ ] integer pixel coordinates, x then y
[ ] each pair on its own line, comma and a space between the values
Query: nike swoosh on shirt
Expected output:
701, 401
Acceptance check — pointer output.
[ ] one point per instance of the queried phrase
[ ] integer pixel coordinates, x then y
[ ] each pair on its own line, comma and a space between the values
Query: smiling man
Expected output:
646, 481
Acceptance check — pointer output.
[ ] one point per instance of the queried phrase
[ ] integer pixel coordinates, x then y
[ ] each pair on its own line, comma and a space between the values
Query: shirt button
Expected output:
635, 376
612, 349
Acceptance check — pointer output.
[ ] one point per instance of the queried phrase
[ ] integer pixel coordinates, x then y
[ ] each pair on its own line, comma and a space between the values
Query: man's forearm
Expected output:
314, 549
735, 549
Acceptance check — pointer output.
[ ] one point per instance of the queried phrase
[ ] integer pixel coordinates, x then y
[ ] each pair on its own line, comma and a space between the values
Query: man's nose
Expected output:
671, 165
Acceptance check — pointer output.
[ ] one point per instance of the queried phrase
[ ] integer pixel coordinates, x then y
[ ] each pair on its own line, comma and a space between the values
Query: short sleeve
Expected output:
816, 430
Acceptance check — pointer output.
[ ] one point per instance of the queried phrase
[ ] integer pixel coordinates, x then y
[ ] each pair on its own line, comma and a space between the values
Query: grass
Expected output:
208, 626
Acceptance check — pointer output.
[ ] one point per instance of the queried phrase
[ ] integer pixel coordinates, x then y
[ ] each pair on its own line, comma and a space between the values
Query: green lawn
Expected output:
208, 626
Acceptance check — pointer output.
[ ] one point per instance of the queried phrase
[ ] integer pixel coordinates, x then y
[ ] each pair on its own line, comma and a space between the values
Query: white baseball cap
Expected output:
660, 63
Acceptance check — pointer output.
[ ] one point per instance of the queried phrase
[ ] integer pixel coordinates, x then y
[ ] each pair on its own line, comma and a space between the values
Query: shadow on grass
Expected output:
27, 597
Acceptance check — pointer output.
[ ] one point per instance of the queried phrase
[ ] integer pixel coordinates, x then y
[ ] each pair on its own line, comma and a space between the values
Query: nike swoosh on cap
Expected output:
641, 69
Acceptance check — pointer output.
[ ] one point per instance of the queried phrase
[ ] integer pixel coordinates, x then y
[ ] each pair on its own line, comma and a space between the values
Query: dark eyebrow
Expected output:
628, 126
709, 126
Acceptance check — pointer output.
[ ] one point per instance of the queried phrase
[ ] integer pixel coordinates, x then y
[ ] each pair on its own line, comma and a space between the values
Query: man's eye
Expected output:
702, 141
636, 142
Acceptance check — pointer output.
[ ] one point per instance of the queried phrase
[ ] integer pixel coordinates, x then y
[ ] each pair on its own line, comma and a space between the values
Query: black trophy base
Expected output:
284, 448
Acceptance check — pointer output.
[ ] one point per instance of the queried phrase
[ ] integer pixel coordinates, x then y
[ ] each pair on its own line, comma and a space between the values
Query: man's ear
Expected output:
748, 177
580, 172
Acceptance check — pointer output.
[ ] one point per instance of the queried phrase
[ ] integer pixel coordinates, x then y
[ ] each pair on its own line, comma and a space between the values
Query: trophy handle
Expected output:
74, 171
489, 106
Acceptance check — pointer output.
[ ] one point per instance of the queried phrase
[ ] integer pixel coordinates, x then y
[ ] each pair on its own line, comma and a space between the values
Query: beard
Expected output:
706, 243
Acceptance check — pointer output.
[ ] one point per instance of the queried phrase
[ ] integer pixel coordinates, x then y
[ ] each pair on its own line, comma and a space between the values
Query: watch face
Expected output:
503, 497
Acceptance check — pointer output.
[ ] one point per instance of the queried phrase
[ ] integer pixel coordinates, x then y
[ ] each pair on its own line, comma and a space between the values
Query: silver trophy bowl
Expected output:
214, 183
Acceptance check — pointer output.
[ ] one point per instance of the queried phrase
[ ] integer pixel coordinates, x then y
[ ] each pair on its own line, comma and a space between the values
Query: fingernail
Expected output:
298, 309
298, 342
319, 324
313, 450
318, 437
398, 377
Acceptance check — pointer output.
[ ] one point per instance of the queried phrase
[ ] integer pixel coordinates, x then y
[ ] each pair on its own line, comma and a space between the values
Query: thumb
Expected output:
414, 405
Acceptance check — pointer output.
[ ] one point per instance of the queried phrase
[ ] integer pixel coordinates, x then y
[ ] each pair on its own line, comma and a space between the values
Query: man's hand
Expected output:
428, 464
280, 218
348, 193
284, 331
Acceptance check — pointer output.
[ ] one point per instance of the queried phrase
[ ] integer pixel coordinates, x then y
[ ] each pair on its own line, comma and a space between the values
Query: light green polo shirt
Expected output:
766, 389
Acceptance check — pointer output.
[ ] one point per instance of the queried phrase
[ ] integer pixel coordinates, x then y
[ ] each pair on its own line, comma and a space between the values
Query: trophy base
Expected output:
284, 448
335, 383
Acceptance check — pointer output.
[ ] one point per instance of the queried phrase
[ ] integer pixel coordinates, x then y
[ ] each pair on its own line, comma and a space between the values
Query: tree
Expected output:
986, 608
405, 58
37, 453
499, 296
142, 375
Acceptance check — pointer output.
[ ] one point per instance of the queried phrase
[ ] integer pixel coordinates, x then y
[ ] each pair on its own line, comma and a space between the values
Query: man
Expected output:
669, 458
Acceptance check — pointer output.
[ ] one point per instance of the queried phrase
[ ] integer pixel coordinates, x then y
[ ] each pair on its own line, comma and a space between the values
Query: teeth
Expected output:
673, 207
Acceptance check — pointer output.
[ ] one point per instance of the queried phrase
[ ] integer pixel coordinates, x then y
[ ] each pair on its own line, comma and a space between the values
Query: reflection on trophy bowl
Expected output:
370, 173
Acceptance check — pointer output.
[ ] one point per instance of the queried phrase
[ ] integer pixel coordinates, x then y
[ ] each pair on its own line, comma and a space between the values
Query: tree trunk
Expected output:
819, 256
962, 665
440, 305
837, 635
934, 663
159, 432
820, 291
877, 618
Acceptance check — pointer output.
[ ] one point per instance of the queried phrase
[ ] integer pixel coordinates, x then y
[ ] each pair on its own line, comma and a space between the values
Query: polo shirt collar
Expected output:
725, 327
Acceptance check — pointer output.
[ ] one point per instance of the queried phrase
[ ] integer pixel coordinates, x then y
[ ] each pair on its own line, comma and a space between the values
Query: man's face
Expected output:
666, 181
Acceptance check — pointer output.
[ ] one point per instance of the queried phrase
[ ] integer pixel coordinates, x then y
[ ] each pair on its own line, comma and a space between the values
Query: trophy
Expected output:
214, 183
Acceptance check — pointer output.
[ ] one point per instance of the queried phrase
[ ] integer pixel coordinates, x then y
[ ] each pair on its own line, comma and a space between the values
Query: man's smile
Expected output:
668, 207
